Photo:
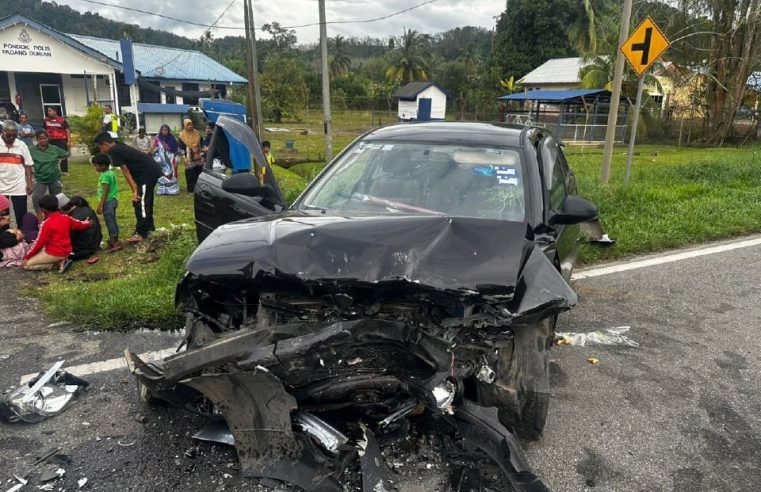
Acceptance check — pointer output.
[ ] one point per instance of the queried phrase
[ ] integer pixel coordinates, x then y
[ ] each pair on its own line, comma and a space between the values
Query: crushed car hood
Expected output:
468, 255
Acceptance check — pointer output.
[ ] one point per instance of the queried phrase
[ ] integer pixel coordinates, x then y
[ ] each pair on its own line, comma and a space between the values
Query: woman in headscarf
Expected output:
190, 142
164, 151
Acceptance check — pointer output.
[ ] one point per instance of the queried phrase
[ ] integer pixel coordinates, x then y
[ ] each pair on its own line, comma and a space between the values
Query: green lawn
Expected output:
677, 197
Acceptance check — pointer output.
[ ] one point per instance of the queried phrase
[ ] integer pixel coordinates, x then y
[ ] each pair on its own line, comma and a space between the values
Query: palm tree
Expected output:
596, 72
589, 18
408, 65
339, 63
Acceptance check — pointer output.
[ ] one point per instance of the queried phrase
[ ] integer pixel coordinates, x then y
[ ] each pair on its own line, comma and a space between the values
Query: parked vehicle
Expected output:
424, 267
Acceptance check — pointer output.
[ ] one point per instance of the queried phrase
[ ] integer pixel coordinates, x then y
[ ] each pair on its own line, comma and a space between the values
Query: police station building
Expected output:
41, 67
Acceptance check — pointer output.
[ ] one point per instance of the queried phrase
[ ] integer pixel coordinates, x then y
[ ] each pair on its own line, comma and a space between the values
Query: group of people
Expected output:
189, 148
63, 230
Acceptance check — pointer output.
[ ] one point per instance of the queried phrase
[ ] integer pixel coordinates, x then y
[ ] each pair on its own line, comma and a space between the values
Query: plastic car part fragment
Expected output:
45, 396
480, 426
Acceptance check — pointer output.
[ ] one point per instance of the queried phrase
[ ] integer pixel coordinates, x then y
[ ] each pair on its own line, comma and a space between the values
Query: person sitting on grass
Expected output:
53, 245
108, 199
12, 245
84, 244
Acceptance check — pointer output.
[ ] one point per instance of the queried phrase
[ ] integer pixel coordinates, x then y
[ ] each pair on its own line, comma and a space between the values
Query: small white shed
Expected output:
421, 101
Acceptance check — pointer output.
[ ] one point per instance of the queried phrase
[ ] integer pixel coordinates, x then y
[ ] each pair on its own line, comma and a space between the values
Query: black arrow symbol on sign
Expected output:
644, 46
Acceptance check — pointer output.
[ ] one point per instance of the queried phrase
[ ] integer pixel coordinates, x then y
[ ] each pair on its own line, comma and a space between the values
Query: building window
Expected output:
170, 97
193, 101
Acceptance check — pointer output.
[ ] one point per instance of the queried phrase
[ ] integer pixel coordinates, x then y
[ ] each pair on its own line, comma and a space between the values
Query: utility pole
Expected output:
254, 98
618, 76
326, 123
635, 122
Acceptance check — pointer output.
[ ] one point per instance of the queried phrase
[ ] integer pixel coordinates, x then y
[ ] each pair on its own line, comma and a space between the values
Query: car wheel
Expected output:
521, 390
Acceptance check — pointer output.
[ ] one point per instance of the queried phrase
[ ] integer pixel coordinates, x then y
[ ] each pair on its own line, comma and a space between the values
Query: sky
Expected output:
433, 17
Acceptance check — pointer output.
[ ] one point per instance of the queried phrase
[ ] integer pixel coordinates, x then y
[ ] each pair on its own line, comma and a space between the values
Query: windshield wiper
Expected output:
392, 204
315, 207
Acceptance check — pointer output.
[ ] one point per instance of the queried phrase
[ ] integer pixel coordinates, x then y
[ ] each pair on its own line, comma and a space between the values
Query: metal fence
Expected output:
571, 127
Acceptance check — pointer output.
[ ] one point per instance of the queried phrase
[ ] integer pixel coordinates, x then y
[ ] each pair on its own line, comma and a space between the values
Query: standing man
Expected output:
141, 173
110, 122
25, 130
15, 170
59, 133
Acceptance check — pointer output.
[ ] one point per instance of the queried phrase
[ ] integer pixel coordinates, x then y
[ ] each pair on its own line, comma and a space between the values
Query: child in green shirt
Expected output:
108, 199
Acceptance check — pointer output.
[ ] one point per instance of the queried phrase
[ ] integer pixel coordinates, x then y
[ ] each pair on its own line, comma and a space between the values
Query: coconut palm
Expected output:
409, 64
590, 18
339, 62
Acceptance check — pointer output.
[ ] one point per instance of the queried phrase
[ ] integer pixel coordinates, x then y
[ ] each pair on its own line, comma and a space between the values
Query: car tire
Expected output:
521, 389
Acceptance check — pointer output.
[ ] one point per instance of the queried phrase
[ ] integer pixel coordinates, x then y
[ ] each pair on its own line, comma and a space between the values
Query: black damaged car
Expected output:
421, 272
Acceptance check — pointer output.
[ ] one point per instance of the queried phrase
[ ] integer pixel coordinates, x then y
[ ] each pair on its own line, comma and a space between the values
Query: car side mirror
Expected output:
248, 185
574, 210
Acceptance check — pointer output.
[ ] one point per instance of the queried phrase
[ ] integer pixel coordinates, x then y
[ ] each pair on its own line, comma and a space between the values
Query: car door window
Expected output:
554, 169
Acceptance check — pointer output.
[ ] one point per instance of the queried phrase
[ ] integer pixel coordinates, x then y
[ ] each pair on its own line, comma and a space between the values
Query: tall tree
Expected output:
530, 32
408, 64
734, 54
339, 62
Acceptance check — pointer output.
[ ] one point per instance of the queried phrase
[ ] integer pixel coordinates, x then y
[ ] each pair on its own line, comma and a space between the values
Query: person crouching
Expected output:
53, 245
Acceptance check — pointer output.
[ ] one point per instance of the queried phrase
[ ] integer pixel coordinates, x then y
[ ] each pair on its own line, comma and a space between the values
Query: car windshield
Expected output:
385, 178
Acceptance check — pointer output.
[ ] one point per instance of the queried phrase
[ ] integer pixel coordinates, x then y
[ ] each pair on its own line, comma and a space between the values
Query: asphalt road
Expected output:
681, 412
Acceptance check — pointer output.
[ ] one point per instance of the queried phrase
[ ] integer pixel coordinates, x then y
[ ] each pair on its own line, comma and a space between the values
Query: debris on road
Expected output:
593, 361
81, 482
44, 396
611, 336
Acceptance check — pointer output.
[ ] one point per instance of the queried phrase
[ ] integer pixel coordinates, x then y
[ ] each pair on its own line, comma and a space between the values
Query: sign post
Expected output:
643, 47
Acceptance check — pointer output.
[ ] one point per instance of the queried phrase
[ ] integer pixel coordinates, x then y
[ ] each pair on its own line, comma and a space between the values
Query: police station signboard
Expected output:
644, 46
24, 49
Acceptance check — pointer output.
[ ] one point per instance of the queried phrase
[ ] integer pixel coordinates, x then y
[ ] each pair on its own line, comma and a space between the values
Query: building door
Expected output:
50, 95
424, 109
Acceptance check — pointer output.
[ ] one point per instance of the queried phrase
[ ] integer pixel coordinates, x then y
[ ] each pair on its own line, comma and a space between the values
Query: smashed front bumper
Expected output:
302, 408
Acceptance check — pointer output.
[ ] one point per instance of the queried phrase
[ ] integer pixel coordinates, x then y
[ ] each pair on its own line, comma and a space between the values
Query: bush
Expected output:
291, 184
86, 128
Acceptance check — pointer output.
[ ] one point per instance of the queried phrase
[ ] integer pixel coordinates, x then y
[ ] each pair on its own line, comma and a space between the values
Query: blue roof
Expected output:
16, 19
551, 95
162, 108
159, 62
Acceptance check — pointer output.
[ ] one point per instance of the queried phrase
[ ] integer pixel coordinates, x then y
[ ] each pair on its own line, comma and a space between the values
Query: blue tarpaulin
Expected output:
552, 95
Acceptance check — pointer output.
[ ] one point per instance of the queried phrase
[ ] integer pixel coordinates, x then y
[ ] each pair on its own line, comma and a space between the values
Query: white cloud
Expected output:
431, 18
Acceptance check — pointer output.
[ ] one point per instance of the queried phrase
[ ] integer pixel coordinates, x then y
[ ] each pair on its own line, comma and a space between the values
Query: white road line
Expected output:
105, 365
120, 363
667, 258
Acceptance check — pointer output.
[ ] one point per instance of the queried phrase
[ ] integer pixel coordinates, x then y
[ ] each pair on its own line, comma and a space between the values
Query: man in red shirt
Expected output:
53, 244
59, 134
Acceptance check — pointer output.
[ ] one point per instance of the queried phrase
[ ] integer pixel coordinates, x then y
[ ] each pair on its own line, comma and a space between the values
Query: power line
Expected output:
184, 21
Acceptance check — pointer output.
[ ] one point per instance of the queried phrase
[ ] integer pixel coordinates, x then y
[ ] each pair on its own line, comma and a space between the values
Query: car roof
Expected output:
469, 133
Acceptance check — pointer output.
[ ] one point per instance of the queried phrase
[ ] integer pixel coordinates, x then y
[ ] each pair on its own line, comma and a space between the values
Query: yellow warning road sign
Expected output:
644, 46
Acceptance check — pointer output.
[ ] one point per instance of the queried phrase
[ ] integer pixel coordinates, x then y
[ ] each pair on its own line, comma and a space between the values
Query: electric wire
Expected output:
184, 21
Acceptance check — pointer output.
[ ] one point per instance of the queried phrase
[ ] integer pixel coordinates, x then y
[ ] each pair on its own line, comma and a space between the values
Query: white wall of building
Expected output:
75, 96
24, 49
438, 101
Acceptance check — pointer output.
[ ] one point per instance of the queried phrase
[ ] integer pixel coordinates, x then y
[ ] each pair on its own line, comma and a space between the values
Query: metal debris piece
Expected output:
611, 336
81, 482
216, 431
42, 397
486, 374
372, 465
330, 437
444, 394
